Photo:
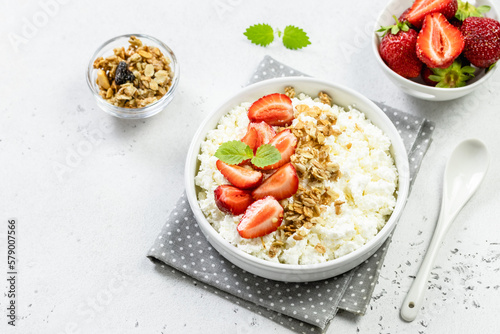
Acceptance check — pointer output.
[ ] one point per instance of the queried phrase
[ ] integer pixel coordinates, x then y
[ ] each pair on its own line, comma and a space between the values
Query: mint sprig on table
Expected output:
234, 152
263, 34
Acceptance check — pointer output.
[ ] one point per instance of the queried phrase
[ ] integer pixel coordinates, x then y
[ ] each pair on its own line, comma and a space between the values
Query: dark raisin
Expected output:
123, 74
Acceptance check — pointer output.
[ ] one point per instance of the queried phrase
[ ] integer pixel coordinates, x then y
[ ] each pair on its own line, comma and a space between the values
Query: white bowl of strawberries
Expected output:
256, 203
438, 50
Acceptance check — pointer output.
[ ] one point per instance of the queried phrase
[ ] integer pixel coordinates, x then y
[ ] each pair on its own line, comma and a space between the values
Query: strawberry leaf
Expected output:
453, 76
234, 152
260, 34
266, 155
395, 28
466, 10
295, 38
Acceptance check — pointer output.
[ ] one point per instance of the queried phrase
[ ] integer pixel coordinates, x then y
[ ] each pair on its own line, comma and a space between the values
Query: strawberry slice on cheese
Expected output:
261, 218
286, 143
282, 184
274, 109
232, 200
240, 177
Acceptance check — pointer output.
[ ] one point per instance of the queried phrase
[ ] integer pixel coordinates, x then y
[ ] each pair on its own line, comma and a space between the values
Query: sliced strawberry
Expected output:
230, 199
422, 8
251, 138
286, 143
258, 134
262, 217
282, 184
240, 177
439, 43
265, 133
274, 109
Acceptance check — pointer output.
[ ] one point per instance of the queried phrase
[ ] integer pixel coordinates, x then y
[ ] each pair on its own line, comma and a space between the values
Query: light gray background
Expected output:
84, 233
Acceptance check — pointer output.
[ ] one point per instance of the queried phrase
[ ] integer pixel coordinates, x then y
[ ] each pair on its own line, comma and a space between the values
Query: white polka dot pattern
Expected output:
302, 307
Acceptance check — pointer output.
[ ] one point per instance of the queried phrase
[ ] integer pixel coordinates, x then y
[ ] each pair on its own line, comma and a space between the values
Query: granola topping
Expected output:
133, 77
314, 166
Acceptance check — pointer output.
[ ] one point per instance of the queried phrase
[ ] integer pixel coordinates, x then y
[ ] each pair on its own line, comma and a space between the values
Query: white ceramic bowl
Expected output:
286, 272
416, 87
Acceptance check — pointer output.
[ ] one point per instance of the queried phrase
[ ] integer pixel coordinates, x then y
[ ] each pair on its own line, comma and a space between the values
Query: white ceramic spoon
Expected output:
463, 174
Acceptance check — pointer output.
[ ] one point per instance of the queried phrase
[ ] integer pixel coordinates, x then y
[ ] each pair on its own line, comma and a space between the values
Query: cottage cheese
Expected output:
367, 185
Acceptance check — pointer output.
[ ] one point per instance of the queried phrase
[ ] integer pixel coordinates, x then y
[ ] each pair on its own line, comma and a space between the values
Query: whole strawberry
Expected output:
398, 49
482, 40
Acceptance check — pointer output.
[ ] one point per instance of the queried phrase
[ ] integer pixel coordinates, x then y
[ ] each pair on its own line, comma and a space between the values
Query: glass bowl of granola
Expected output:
320, 207
133, 76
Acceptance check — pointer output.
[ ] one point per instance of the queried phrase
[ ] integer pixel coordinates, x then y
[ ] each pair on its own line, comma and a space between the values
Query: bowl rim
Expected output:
415, 85
132, 111
403, 184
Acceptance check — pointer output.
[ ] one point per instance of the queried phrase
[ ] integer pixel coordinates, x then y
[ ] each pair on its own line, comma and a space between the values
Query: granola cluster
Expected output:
135, 77
314, 167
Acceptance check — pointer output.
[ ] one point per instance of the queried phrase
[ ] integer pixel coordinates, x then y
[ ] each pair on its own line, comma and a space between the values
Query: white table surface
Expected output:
84, 234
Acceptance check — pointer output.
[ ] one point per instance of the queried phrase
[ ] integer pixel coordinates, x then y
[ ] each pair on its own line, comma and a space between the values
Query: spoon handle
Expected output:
414, 298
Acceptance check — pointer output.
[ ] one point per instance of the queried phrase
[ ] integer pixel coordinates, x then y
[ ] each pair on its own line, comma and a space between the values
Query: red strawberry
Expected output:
251, 138
422, 8
282, 184
265, 133
274, 109
258, 134
439, 43
286, 143
240, 177
482, 41
262, 217
397, 49
230, 199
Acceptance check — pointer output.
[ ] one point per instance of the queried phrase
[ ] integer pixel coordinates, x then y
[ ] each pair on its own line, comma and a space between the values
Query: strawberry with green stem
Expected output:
453, 76
398, 49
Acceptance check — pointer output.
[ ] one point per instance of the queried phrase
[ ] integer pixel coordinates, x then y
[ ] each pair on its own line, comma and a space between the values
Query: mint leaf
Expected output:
266, 155
295, 38
233, 152
260, 34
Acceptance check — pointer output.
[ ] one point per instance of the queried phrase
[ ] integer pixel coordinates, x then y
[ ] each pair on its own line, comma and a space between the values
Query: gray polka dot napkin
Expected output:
182, 250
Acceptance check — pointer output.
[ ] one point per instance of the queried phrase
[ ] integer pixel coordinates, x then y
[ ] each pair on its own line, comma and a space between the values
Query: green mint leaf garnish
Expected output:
260, 34
234, 152
295, 38
266, 155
